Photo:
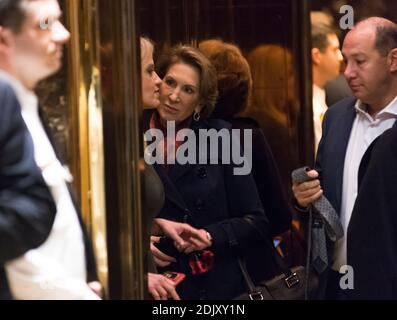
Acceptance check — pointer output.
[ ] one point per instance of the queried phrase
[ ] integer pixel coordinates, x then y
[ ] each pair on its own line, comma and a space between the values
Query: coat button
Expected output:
202, 173
199, 204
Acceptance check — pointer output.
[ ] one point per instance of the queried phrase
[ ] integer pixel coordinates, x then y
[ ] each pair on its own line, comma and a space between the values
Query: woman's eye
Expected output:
169, 82
189, 90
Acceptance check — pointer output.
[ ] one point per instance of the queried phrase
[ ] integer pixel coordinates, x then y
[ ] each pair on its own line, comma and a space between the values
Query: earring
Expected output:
196, 116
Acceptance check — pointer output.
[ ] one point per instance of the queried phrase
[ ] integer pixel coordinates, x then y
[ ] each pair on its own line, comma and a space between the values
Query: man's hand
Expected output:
308, 192
161, 288
183, 234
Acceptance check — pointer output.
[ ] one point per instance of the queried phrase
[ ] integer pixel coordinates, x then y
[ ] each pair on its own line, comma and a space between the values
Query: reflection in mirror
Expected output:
274, 30
273, 101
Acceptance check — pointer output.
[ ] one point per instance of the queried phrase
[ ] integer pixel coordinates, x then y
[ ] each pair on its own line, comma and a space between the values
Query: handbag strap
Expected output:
290, 277
276, 257
253, 293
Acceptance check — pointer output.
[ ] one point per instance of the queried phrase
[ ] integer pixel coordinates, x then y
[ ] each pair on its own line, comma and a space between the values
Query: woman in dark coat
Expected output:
159, 286
223, 206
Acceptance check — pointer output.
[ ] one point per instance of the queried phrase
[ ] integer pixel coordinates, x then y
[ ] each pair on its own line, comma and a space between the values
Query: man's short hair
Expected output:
321, 27
12, 14
386, 39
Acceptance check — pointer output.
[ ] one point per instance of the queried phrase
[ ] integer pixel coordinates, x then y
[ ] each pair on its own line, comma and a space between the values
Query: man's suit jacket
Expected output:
337, 126
372, 234
27, 210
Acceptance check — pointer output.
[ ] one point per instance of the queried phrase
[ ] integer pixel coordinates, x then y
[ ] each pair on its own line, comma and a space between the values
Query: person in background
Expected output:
235, 89
326, 65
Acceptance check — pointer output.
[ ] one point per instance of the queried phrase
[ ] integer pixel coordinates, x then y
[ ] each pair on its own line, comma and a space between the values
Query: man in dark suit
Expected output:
31, 44
349, 128
26, 207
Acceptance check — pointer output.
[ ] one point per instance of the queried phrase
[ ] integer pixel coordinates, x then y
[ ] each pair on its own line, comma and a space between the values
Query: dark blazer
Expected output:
210, 197
337, 125
372, 233
27, 210
89, 252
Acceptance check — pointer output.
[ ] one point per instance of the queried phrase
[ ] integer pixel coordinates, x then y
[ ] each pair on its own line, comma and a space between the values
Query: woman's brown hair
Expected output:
234, 77
190, 56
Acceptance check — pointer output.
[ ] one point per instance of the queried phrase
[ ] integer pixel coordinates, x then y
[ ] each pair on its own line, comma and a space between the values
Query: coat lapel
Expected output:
345, 125
171, 191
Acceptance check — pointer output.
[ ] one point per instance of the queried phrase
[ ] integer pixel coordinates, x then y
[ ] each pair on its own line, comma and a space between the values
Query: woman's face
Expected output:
179, 97
150, 82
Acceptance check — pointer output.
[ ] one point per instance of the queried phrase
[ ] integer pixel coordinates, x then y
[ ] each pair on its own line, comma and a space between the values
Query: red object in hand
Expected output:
175, 277
201, 262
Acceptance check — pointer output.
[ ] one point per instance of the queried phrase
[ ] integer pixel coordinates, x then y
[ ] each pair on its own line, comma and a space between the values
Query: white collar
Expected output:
390, 109
318, 92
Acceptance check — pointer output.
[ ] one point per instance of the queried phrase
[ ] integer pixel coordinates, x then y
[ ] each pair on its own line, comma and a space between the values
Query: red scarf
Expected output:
169, 146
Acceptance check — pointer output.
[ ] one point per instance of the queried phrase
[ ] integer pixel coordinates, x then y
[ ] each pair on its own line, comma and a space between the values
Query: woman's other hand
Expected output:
161, 259
161, 288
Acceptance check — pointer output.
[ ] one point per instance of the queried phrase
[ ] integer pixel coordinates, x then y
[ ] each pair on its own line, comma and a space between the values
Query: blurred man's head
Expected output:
326, 55
31, 39
370, 50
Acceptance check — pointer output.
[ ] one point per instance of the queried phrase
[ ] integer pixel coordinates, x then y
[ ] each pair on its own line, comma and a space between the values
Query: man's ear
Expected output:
393, 60
5, 39
316, 56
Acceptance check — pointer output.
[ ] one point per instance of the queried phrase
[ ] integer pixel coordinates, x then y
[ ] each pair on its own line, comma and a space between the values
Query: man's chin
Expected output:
51, 71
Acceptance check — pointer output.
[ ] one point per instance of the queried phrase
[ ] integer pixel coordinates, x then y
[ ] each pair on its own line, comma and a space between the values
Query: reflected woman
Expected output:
160, 288
235, 89
224, 207
274, 104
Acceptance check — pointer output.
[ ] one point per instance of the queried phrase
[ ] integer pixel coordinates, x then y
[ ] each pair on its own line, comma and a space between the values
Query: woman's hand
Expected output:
195, 245
161, 288
184, 235
160, 259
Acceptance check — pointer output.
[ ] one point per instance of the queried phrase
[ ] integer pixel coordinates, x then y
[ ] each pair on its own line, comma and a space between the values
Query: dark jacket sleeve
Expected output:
27, 210
247, 224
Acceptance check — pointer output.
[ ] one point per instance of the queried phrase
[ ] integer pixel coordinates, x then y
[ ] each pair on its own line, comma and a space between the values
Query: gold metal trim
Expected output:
86, 124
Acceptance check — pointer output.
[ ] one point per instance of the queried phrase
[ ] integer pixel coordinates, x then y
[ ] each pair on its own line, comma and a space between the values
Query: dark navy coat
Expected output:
211, 197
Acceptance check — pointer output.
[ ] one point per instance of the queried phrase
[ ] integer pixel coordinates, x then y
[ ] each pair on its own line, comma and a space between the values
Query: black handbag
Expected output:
290, 285
296, 283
